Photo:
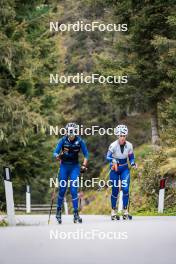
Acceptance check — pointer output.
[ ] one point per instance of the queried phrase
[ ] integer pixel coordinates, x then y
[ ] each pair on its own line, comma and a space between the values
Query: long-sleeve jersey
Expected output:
121, 153
70, 149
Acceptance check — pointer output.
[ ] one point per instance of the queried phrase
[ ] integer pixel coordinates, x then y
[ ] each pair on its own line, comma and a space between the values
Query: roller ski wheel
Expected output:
114, 215
77, 218
59, 221
127, 217
59, 216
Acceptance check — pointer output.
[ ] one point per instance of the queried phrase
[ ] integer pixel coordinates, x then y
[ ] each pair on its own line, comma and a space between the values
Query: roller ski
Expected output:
59, 216
114, 215
77, 218
126, 215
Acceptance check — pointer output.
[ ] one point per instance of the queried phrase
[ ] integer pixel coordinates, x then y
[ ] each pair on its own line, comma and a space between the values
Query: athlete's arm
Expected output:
131, 156
109, 154
58, 148
85, 153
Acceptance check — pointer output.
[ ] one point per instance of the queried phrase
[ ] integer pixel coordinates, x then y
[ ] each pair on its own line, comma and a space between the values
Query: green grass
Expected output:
3, 223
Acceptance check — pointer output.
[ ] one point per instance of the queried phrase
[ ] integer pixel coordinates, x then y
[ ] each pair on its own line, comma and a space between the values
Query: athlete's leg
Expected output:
74, 181
62, 179
125, 184
115, 189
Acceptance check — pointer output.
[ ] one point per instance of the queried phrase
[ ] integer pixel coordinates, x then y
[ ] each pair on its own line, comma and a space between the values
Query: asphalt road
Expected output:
97, 240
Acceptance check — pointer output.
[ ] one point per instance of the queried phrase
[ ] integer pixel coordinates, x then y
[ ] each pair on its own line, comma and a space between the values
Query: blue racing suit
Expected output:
69, 167
120, 154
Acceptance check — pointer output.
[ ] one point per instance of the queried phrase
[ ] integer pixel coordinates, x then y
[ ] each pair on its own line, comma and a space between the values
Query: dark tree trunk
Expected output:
154, 126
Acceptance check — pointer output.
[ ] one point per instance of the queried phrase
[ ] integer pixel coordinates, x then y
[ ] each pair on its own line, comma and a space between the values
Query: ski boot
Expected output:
114, 215
76, 217
59, 215
126, 215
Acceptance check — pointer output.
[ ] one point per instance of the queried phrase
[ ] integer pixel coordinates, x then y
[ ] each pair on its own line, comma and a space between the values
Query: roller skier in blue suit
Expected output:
119, 154
67, 152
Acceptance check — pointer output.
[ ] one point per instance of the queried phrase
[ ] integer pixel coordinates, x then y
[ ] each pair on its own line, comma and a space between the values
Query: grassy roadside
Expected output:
3, 222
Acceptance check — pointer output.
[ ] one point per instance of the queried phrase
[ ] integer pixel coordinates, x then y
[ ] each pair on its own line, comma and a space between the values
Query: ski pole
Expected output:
130, 192
81, 190
52, 199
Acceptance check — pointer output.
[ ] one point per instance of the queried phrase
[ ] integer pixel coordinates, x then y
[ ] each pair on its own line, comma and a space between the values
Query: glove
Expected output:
134, 166
114, 165
59, 157
83, 169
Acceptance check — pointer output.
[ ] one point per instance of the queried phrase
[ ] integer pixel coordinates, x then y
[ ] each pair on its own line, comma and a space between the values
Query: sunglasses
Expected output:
122, 136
